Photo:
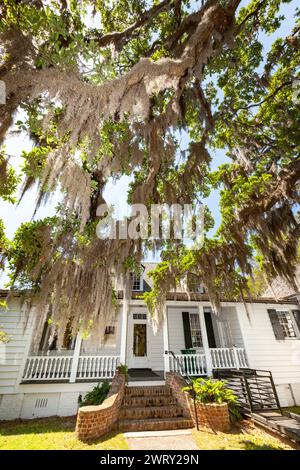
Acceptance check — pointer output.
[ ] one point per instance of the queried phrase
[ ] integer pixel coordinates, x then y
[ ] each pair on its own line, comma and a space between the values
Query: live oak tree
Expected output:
107, 88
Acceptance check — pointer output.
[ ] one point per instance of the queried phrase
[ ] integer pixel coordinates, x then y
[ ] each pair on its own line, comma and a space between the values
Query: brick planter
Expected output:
96, 421
213, 416
210, 415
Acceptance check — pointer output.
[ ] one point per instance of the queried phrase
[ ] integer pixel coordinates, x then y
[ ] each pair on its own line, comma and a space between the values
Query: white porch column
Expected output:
124, 332
236, 358
166, 341
75, 358
205, 340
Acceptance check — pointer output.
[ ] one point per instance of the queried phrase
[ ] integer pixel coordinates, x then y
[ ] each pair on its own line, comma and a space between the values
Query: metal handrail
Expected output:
188, 379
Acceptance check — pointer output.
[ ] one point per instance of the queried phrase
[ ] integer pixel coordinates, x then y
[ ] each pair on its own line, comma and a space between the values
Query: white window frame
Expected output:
293, 322
134, 277
196, 329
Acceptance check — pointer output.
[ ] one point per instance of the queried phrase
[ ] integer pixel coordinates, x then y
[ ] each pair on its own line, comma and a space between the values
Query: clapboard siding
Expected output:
18, 326
91, 347
175, 327
230, 314
156, 349
281, 357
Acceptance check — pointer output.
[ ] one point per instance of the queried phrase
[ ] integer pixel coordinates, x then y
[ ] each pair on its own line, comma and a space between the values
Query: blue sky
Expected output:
115, 193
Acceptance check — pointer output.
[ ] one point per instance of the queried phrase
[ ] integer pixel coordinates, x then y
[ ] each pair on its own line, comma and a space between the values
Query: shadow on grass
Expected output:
249, 445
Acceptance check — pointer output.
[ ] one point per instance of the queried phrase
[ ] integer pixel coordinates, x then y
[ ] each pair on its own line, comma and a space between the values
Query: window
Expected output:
140, 339
194, 284
286, 323
136, 282
283, 324
195, 330
140, 316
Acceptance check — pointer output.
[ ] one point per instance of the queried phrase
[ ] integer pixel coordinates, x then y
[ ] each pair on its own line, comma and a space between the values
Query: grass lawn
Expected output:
52, 434
293, 409
244, 437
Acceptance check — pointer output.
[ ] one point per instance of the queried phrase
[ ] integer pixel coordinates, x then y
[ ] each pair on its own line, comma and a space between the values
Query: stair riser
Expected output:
161, 426
151, 412
149, 401
147, 391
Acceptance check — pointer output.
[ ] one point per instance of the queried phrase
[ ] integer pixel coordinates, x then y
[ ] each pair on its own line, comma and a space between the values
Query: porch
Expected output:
93, 368
215, 344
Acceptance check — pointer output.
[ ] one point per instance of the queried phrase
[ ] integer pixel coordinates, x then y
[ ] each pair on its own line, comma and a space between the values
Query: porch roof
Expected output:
185, 296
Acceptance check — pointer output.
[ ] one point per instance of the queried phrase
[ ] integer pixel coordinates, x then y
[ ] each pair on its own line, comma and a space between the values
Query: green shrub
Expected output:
211, 391
215, 391
95, 396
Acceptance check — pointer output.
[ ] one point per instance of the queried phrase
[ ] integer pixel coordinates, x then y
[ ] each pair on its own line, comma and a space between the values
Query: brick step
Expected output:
159, 400
161, 424
170, 411
147, 391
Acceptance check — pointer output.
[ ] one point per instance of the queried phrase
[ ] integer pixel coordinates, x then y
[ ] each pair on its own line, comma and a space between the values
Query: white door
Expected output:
138, 343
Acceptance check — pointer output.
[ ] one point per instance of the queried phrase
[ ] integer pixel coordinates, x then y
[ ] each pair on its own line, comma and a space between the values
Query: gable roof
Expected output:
280, 288
148, 267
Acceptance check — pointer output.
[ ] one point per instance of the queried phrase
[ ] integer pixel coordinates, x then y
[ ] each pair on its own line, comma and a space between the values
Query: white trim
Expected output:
75, 360
242, 316
56, 387
206, 303
146, 383
166, 341
196, 329
124, 328
295, 324
132, 360
141, 279
205, 340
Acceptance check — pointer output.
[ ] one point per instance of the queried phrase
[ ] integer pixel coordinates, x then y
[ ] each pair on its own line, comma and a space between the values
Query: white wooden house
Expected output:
264, 334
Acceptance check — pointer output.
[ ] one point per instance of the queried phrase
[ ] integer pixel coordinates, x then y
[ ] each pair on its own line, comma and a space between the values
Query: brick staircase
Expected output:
151, 409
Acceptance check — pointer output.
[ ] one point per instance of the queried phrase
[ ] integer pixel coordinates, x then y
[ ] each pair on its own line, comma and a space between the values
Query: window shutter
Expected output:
296, 314
187, 330
278, 331
210, 329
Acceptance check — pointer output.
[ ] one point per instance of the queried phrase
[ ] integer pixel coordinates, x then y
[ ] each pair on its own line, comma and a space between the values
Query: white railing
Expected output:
191, 364
47, 368
221, 358
57, 368
228, 358
97, 367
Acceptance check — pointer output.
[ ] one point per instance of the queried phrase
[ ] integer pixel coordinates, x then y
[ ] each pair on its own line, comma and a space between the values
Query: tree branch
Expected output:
267, 98
118, 38
252, 13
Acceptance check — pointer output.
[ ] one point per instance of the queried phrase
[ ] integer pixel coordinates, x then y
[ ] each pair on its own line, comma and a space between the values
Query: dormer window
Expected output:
137, 282
194, 284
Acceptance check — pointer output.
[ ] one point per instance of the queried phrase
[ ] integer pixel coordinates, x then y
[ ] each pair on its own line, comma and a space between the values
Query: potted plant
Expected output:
123, 369
213, 402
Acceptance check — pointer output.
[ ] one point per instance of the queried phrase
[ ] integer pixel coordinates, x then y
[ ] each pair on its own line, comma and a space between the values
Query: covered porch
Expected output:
93, 368
189, 328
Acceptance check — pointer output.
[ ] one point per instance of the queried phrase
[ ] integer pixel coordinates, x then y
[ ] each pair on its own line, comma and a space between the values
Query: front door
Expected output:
139, 354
